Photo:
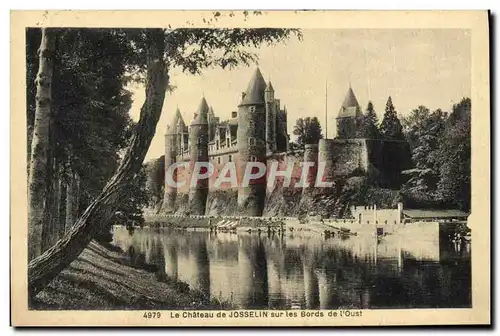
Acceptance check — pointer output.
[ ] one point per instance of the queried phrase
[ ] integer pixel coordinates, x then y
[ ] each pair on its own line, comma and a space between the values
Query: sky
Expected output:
430, 67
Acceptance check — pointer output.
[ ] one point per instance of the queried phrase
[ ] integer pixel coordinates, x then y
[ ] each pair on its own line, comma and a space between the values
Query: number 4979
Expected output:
152, 315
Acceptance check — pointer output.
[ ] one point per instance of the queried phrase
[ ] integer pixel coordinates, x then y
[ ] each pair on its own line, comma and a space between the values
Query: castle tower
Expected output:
171, 149
198, 140
348, 117
327, 157
270, 118
283, 127
181, 128
211, 123
252, 144
310, 155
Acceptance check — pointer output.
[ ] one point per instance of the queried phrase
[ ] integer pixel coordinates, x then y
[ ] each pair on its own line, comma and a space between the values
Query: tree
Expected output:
155, 180
89, 123
160, 50
391, 128
40, 144
369, 124
130, 208
455, 156
424, 131
308, 131
413, 123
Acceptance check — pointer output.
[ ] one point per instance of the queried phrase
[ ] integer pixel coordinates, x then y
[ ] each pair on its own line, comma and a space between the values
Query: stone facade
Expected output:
252, 143
198, 139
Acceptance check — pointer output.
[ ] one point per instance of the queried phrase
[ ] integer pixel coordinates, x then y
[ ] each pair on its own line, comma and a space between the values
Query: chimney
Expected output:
234, 114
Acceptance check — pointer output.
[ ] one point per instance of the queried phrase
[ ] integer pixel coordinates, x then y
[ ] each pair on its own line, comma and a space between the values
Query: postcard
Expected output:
250, 168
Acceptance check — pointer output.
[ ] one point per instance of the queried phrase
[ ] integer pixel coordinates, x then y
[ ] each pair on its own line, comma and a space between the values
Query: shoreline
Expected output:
102, 278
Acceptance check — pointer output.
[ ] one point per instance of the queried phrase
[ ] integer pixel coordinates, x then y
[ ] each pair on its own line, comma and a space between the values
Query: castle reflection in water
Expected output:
307, 271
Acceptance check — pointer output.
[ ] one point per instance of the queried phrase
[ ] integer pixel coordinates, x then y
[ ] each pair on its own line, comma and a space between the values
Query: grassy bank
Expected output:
104, 279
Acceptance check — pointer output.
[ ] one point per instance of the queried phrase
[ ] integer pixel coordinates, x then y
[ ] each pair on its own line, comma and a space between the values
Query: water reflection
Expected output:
305, 271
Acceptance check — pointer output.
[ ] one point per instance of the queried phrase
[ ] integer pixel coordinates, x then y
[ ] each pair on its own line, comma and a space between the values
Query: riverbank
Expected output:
104, 279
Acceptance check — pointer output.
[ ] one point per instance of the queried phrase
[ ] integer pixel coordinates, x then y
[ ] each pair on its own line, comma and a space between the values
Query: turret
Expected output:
198, 140
270, 119
348, 119
171, 150
211, 123
252, 144
180, 129
269, 92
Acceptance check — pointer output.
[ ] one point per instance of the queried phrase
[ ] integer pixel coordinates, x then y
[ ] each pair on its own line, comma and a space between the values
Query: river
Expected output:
307, 271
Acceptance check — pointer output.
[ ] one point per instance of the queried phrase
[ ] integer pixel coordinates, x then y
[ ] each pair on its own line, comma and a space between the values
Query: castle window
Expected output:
253, 158
251, 109
251, 141
218, 160
230, 158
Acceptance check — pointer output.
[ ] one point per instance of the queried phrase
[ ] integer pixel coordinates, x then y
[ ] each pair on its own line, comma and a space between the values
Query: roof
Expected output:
447, 213
177, 120
269, 87
211, 114
254, 93
201, 113
350, 106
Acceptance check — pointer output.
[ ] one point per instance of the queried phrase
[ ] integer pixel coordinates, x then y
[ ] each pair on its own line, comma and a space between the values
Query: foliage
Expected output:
455, 156
369, 124
308, 131
195, 49
155, 177
440, 144
391, 128
423, 132
90, 105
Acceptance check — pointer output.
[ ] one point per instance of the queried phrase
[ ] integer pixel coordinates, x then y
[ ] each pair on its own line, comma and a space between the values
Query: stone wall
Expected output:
343, 157
222, 202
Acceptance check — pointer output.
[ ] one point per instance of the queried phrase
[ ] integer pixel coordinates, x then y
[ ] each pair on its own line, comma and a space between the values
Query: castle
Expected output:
257, 132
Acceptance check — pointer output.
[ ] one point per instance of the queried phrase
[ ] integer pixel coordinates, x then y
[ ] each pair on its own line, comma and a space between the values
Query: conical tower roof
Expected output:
201, 116
177, 121
254, 93
211, 115
350, 106
269, 87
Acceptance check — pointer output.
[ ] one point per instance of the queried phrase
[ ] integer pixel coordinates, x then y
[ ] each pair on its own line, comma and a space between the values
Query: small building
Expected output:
369, 214
442, 216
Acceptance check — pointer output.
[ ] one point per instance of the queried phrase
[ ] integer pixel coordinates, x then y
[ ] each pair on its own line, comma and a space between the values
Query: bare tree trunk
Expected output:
47, 266
58, 192
51, 217
37, 186
50, 197
62, 209
56, 204
72, 193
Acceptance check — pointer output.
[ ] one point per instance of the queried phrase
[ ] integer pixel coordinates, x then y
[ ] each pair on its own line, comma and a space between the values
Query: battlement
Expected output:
369, 214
